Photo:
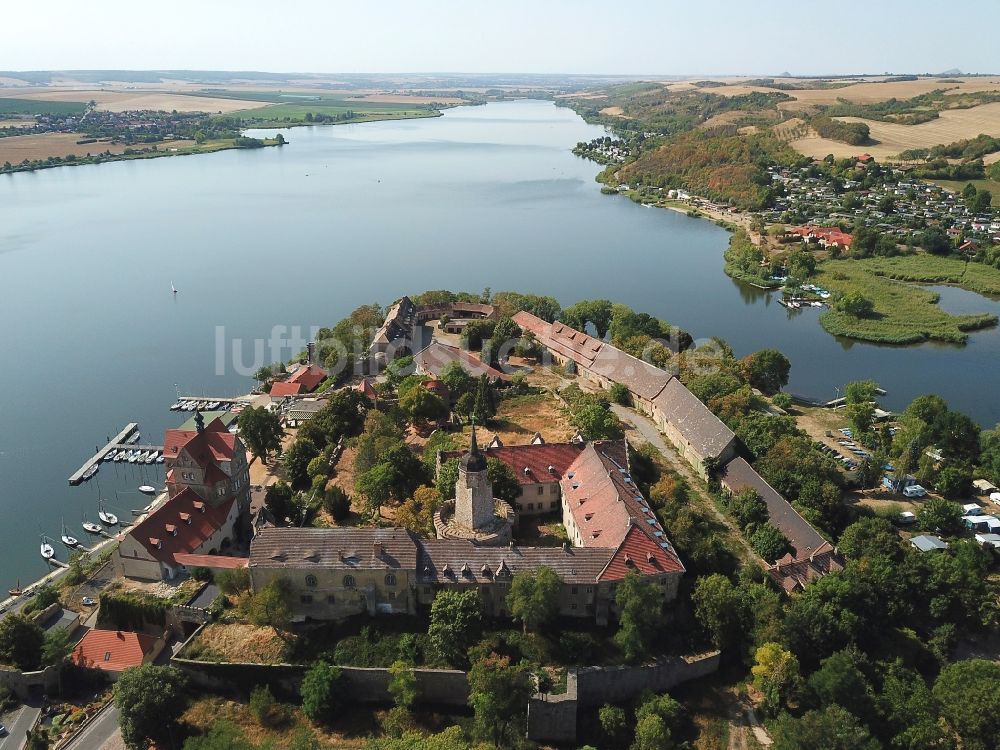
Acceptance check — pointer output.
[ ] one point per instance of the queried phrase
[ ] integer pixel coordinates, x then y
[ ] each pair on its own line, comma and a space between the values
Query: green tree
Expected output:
596, 422
420, 405
337, 503
769, 543
402, 684
748, 508
972, 720
954, 482
534, 597
870, 537
449, 739
942, 516
651, 733
498, 695
264, 708
322, 692
614, 726
278, 500
640, 604
775, 674
717, 607
840, 681
261, 431
767, 370
297, 459
57, 646
271, 607
855, 304
233, 582
832, 728
21, 642
456, 622
150, 700
501, 476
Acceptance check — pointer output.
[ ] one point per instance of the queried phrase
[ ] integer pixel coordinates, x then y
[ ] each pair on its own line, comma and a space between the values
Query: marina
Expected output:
91, 465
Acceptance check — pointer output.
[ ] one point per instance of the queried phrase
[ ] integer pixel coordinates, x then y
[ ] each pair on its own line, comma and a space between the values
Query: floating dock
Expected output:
77, 476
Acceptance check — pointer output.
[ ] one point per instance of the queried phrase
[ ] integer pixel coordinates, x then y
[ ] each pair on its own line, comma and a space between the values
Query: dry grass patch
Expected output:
239, 643
613, 111
520, 417
205, 713
17, 148
111, 100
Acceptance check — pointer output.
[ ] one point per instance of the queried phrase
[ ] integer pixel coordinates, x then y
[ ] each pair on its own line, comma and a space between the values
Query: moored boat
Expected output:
69, 541
47, 551
92, 528
106, 517
147, 490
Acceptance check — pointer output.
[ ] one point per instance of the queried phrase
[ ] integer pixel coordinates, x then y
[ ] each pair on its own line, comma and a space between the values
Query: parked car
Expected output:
3, 731
914, 490
907, 517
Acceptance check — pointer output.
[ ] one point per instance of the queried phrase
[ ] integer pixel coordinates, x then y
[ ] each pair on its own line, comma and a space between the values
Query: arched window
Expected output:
348, 582
390, 579
311, 581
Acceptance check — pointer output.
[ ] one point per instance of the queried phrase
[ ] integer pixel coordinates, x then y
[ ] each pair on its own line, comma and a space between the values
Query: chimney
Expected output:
377, 549
565, 546
311, 353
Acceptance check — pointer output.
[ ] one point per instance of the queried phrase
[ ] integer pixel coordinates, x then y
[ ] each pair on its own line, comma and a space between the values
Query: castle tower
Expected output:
474, 505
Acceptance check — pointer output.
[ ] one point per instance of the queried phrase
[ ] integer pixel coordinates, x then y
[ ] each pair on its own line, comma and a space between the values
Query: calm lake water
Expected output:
301, 235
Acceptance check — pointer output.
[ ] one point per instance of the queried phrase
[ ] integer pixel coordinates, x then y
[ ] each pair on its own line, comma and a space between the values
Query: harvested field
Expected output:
613, 111
242, 643
403, 99
16, 123
17, 148
952, 125
122, 101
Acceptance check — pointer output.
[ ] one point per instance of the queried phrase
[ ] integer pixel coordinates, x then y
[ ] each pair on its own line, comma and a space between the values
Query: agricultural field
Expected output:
29, 106
992, 185
296, 113
17, 148
132, 100
904, 314
864, 92
950, 126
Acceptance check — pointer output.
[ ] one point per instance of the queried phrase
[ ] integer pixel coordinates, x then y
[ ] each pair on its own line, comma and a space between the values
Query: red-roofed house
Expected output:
307, 376
114, 651
283, 388
211, 461
538, 468
183, 524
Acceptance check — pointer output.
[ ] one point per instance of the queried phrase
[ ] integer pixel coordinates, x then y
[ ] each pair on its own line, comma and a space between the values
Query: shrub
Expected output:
201, 574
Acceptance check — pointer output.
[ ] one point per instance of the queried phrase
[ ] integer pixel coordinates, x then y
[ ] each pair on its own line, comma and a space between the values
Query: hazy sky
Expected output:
516, 36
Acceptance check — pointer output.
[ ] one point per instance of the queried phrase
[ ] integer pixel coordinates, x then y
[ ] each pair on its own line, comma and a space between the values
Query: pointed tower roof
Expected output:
474, 460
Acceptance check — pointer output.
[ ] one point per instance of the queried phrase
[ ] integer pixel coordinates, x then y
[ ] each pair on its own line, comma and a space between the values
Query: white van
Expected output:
995, 498
914, 490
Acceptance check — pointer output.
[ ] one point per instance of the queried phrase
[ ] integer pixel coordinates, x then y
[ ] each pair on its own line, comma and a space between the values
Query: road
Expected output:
18, 724
650, 433
100, 734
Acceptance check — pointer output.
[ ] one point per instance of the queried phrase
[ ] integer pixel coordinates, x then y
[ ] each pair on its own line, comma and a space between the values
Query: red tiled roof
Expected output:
796, 573
216, 562
308, 376
214, 475
285, 388
192, 522
112, 650
216, 443
643, 554
537, 458
561, 339
434, 359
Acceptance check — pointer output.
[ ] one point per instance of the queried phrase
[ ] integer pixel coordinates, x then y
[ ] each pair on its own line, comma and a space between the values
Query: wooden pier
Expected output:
77, 476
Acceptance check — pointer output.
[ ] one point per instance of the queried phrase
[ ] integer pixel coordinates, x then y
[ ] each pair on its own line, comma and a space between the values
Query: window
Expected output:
390, 579
590, 589
553, 489
331, 599
392, 595
573, 605
306, 599
541, 489
107, 656
574, 590
554, 504
348, 582
311, 581
531, 506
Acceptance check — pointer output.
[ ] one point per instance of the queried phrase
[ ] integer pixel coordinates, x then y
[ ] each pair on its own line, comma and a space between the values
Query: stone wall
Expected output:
24, 684
446, 687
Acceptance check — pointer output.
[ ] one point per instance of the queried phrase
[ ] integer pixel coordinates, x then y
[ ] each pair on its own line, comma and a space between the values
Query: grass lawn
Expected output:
992, 185
39, 107
284, 113
520, 417
905, 314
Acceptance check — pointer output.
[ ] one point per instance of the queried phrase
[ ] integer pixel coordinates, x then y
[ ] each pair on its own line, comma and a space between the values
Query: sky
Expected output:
663, 37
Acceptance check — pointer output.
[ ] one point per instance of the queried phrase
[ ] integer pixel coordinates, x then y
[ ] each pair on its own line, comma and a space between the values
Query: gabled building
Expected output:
209, 460
114, 651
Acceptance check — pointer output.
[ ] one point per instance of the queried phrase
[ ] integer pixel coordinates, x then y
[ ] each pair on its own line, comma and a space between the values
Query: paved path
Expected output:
18, 724
647, 430
102, 733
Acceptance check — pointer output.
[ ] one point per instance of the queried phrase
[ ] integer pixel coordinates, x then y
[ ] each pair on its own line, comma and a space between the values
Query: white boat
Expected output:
159, 459
92, 528
47, 552
147, 490
134, 438
90, 472
68, 540
175, 406
109, 519
173, 288
130, 456
151, 457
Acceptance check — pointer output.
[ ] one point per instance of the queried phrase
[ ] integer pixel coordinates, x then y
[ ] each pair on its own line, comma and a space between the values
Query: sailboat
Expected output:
68, 540
17, 590
91, 527
173, 288
109, 519
46, 549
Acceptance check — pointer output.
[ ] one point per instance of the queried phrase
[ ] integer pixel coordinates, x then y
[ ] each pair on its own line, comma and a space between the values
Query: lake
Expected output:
301, 235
